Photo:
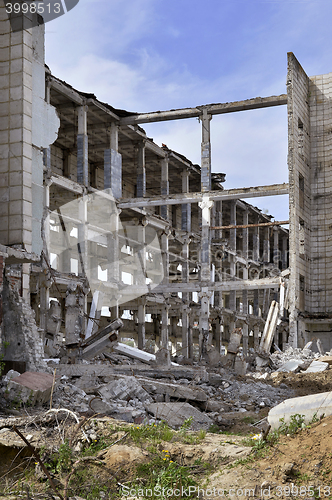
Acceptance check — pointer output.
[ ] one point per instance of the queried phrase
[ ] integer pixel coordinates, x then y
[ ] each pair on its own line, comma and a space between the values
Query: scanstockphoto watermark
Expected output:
26, 14
189, 492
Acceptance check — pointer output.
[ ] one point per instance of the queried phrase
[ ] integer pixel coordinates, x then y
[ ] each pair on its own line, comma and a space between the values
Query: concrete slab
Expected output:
325, 359
173, 390
317, 366
123, 388
293, 365
176, 413
30, 388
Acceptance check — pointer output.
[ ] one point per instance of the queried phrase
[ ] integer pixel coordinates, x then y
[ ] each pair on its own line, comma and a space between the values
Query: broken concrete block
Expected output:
101, 407
235, 341
325, 359
293, 365
240, 366
176, 413
315, 404
123, 388
163, 357
173, 390
30, 388
320, 347
317, 366
213, 355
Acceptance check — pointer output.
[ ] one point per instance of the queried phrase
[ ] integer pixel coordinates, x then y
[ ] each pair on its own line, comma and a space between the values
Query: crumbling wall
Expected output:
20, 335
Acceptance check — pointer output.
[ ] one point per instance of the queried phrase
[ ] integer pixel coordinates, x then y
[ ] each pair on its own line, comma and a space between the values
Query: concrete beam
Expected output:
212, 109
229, 194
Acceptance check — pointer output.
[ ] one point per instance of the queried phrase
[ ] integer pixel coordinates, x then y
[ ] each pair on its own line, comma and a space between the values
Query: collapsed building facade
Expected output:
97, 221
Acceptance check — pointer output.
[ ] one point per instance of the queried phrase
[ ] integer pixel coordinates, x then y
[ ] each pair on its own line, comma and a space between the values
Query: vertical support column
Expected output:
219, 254
185, 207
164, 325
165, 256
266, 245
113, 164
141, 174
206, 152
255, 242
256, 337
245, 249
205, 205
141, 323
82, 146
232, 245
276, 255
256, 302
284, 252
217, 333
113, 263
164, 187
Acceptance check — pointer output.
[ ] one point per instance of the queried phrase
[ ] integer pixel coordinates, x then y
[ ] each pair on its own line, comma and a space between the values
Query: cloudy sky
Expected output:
147, 55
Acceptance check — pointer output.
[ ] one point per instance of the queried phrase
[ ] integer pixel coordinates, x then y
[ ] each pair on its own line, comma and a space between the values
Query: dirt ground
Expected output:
295, 466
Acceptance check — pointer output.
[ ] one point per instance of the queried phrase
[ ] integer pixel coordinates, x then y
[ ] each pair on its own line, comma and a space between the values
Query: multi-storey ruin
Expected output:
180, 259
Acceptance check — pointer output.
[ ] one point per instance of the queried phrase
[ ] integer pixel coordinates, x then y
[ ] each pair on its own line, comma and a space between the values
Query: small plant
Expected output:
152, 432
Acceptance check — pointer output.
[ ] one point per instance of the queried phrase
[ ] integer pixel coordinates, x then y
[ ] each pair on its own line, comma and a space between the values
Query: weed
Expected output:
153, 433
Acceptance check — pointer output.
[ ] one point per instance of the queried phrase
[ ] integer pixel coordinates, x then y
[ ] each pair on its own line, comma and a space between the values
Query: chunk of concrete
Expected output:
173, 390
293, 365
317, 366
30, 388
325, 359
123, 388
135, 353
314, 404
176, 413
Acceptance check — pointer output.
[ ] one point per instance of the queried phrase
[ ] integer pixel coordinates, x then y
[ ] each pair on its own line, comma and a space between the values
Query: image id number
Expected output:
33, 8
303, 491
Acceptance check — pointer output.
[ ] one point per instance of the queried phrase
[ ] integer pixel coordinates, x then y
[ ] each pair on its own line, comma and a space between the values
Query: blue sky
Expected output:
146, 55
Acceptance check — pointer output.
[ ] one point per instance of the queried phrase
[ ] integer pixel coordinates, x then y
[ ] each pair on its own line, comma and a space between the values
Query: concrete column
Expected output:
266, 245
185, 207
276, 246
141, 174
190, 337
218, 333
113, 262
113, 164
232, 246
164, 326
245, 250
141, 323
245, 339
255, 243
82, 146
185, 310
256, 302
256, 337
164, 187
284, 252
185, 298
205, 206
165, 256
206, 152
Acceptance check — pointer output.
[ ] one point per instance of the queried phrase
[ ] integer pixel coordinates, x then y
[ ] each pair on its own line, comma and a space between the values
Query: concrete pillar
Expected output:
141, 323
165, 256
232, 246
185, 207
276, 255
284, 252
245, 339
245, 250
82, 146
164, 187
141, 174
113, 164
266, 245
205, 206
190, 337
164, 326
185, 310
206, 152
256, 337
113, 263
256, 302
218, 333
255, 243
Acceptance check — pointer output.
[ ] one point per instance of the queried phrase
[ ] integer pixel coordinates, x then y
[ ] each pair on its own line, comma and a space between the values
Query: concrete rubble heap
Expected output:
132, 270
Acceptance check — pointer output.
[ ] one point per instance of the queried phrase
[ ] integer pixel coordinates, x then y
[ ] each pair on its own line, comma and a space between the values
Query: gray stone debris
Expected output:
176, 413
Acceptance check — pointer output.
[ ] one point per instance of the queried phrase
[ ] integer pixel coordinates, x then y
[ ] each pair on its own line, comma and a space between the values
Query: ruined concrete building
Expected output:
97, 221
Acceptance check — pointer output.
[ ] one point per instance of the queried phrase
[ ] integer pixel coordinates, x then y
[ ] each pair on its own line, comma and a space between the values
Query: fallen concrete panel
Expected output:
315, 404
293, 365
173, 390
176, 413
123, 388
325, 359
30, 388
132, 352
317, 366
